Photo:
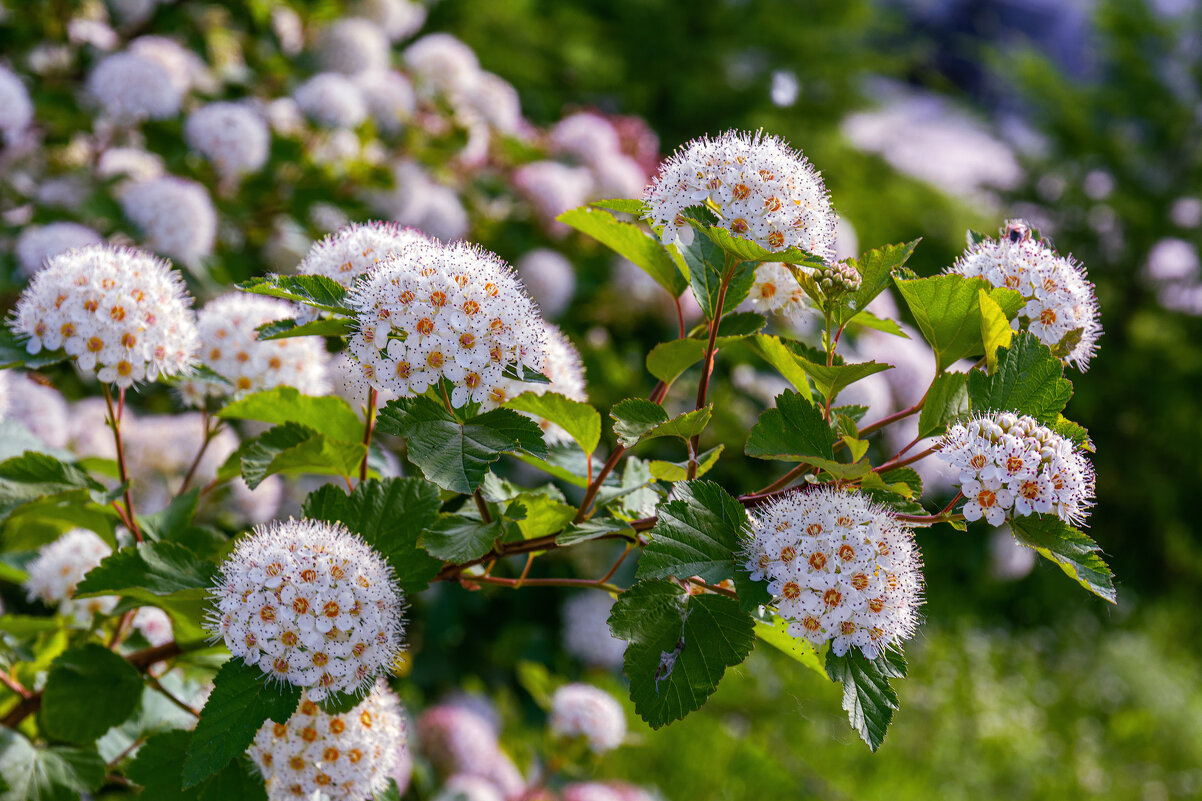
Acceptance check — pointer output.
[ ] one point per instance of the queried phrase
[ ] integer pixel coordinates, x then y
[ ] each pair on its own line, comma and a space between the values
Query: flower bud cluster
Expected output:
440, 311
311, 604
836, 279
1061, 309
581, 710
1011, 466
840, 568
761, 189
348, 757
123, 314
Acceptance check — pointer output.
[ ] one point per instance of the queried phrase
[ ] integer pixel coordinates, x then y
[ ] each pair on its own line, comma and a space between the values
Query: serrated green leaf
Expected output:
698, 533
34, 475
629, 241
830, 381
706, 262
636, 419
312, 290
564, 461
47, 774
294, 448
1074, 552
390, 515
623, 205
592, 529
946, 402
777, 354
948, 312
679, 471
1029, 380
995, 328
876, 274
544, 514
1075, 432
668, 360
159, 765
88, 691
240, 703
867, 319
35, 523
680, 646
739, 324
323, 327
774, 632
748, 251
330, 415
580, 420
456, 456
867, 697
171, 522
457, 538
149, 570
793, 431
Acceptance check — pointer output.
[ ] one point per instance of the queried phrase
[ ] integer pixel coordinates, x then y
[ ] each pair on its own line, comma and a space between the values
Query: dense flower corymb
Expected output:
584, 710
761, 188
348, 757
439, 311
1011, 466
1061, 309
354, 250
123, 314
310, 604
60, 566
840, 568
231, 135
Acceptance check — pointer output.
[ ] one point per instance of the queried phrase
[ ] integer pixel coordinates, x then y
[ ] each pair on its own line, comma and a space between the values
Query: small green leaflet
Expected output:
629, 241
294, 448
833, 379
159, 765
581, 421
876, 275
679, 471
34, 475
774, 631
636, 420
786, 362
946, 402
867, 697
668, 360
1029, 380
995, 328
1074, 552
46, 774
947, 310
312, 290
793, 431
323, 327
149, 570
623, 206
458, 538
748, 251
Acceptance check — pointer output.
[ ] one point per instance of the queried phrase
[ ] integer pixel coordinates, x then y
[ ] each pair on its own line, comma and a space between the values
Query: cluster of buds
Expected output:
837, 279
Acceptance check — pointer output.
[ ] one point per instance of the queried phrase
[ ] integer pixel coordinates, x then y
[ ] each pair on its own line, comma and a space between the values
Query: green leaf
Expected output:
457, 538
88, 691
1029, 380
544, 514
390, 515
629, 241
159, 765
149, 570
1071, 549
34, 475
830, 381
591, 529
623, 205
668, 360
777, 354
867, 319
867, 697
698, 533
14, 353
748, 251
793, 431
1073, 431
47, 774
581, 421
295, 448
240, 703
707, 268
636, 419
948, 312
456, 456
946, 402
680, 646
331, 416
171, 522
995, 328
323, 327
738, 324
312, 290
679, 471
876, 275
774, 632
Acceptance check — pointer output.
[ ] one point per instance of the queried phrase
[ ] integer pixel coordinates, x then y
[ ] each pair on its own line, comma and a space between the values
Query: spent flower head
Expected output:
311, 604
583, 710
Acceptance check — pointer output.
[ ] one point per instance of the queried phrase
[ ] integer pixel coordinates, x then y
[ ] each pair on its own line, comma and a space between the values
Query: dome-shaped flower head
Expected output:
1061, 309
456, 740
311, 604
399, 19
440, 311
60, 566
1011, 466
581, 710
37, 243
353, 251
494, 101
550, 279
133, 87
442, 63
347, 757
230, 346
586, 633
760, 188
331, 99
352, 45
231, 135
123, 314
563, 366
585, 135
389, 97
186, 70
840, 568
175, 214
16, 109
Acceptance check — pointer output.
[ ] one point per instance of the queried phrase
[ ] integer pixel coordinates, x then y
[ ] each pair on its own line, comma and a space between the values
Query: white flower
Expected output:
761, 189
585, 135
154, 624
41, 409
347, 757
586, 633
1011, 466
185, 69
563, 366
355, 250
134, 87
352, 45
230, 347
123, 314
175, 214
16, 109
37, 243
584, 710
553, 188
399, 19
493, 100
60, 566
389, 97
439, 311
456, 740
840, 568
310, 604
231, 135
332, 100
417, 200
1061, 309
550, 278
776, 291
442, 63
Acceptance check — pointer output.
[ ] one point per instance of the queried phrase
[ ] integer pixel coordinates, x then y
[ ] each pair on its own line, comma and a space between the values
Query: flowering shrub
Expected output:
397, 413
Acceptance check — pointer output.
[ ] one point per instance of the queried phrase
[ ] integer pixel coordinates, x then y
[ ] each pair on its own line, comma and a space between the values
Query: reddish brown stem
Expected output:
115, 423
894, 463
372, 397
204, 446
707, 366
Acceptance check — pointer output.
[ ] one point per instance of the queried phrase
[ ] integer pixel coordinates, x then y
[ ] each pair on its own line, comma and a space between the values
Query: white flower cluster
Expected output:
399, 19
1061, 308
594, 141
389, 97
761, 188
332, 99
38, 243
231, 135
776, 291
60, 566
311, 604
132, 87
353, 251
230, 346
460, 742
16, 109
122, 314
347, 757
1010, 466
352, 45
583, 710
442, 63
445, 311
840, 568
175, 214
586, 633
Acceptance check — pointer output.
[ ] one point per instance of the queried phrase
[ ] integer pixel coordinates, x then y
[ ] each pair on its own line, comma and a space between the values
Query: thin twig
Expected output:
367, 430
115, 423
482, 506
157, 685
204, 446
